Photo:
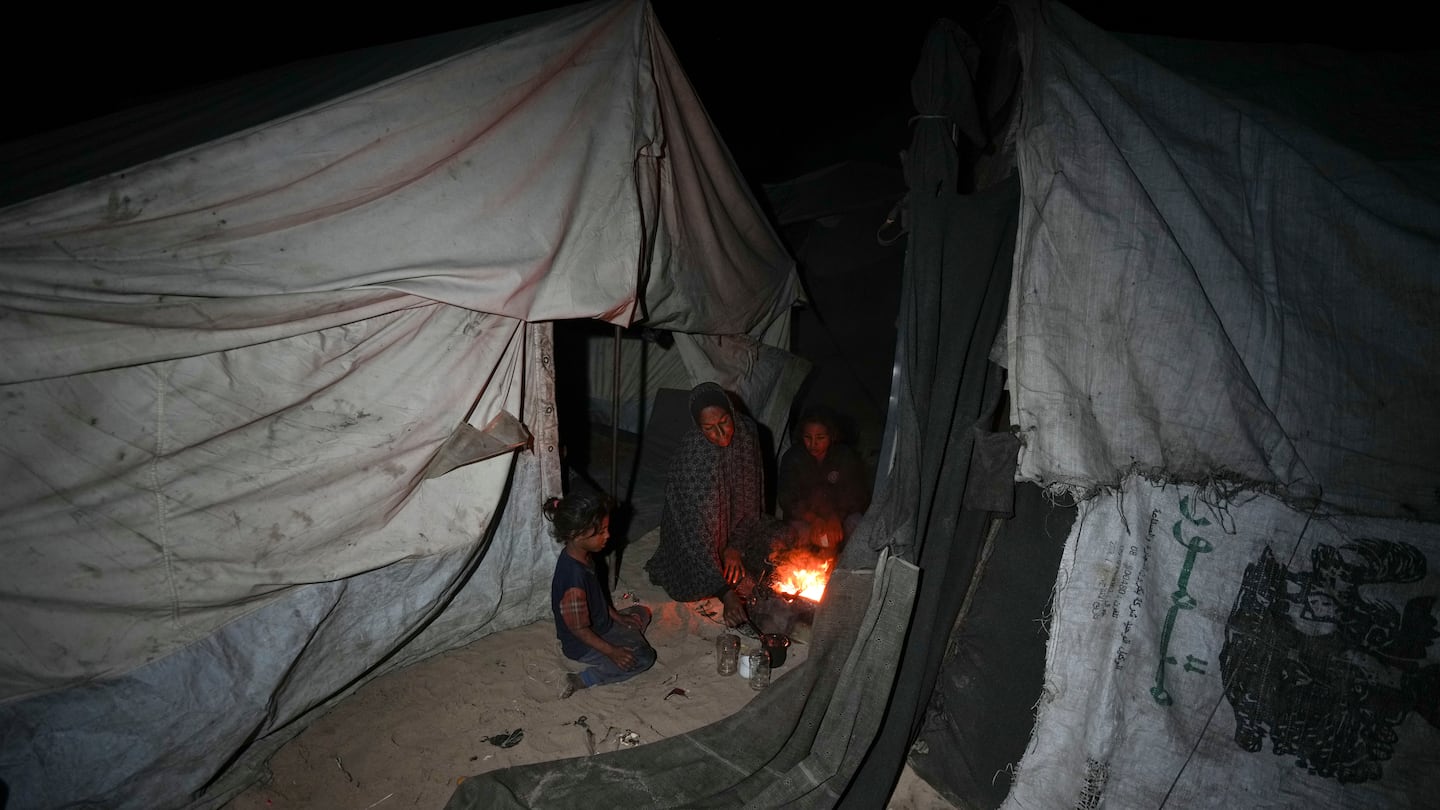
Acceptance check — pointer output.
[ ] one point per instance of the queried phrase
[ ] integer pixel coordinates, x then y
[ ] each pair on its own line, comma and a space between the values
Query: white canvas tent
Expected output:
227, 370
1222, 246
1220, 339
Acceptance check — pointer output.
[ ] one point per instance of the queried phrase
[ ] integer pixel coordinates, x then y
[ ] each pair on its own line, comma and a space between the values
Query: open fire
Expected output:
799, 573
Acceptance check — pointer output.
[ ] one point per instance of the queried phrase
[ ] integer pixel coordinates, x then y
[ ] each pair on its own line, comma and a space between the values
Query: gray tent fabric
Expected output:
1221, 337
127, 138
956, 285
225, 371
553, 174
1209, 288
1232, 651
978, 724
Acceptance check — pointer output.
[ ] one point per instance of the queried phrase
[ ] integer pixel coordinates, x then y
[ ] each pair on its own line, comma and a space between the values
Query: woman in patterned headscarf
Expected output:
714, 531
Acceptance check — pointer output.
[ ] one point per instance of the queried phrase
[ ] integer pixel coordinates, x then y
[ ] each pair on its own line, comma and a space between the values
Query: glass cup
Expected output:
727, 653
759, 670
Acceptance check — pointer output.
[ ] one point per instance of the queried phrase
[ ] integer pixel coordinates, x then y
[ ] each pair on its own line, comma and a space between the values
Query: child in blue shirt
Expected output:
611, 642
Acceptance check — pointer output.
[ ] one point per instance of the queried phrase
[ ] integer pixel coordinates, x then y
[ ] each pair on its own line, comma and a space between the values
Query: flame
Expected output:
805, 578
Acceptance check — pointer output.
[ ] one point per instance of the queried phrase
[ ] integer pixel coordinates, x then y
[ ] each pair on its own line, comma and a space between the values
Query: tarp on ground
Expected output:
1207, 286
1234, 652
225, 371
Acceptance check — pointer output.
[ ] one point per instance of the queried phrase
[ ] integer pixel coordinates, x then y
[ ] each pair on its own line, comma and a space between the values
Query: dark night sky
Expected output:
792, 86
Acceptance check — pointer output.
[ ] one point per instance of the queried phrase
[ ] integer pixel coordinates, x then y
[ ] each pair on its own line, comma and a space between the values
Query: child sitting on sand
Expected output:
590, 629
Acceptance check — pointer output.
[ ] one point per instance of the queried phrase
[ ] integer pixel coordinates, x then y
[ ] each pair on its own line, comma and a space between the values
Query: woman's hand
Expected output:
734, 566
735, 614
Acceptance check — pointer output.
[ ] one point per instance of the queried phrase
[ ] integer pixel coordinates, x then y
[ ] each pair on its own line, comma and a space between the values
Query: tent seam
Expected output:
160, 498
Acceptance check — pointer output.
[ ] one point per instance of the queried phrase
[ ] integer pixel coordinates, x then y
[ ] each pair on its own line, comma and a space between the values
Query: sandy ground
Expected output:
408, 738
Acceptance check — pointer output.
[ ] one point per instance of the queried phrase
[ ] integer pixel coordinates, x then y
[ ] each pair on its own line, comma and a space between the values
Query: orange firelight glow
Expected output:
802, 576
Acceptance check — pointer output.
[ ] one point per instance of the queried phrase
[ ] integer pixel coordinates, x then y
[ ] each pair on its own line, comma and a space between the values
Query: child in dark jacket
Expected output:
824, 486
611, 642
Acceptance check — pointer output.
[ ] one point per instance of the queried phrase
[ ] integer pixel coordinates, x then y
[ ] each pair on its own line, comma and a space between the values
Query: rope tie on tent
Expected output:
954, 127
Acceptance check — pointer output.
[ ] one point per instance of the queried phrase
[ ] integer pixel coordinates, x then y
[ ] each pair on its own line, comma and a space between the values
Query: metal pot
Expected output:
775, 644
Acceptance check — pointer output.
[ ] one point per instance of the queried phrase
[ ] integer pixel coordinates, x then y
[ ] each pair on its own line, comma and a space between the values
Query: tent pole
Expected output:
615, 420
